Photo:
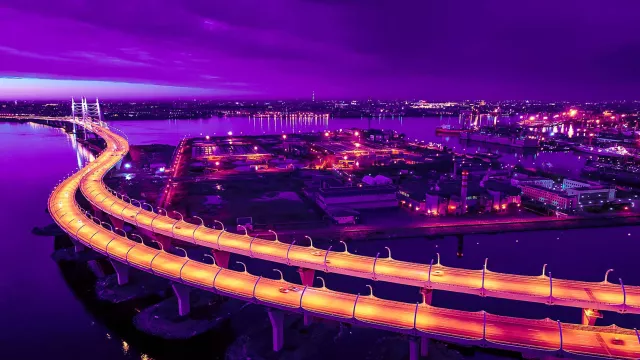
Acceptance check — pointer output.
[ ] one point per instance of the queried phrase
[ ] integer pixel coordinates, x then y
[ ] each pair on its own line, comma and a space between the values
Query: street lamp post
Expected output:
310, 240
388, 250
246, 233
374, 266
212, 259
326, 268
174, 224
183, 250
159, 244
288, 261
274, 233
281, 275
345, 246
243, 265
150, 206
322, 279
139, 237
110, 227
219, 222
196, 229
370, 289
606, 275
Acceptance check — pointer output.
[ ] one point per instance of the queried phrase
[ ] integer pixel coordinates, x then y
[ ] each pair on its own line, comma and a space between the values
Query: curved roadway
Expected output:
482, 329
541, 289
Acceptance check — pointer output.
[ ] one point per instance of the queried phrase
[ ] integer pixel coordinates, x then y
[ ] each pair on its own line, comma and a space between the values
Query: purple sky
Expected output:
449, 49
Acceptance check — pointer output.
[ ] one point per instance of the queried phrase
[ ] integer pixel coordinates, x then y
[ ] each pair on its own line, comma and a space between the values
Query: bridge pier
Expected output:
589, 316
277, 326
424, 346
78, 246
122, 271
117, 223
306, 276
414, 349
221, 257
97, 213
184, 299
427, 295
164, 240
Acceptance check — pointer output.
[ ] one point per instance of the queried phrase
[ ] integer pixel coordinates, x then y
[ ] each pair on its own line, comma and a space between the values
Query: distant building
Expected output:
520, 179
558, 199
354, 197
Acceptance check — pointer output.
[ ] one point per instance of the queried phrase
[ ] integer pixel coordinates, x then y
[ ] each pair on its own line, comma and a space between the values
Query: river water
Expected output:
42, 316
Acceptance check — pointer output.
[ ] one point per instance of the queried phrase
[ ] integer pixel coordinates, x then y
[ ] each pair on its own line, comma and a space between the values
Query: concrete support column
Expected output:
222, 258
122, 271
117, 223
78, 246
184, 300
97, 212
589, 316
306, 275
414, 349
166, 241
427, 294
424, 346
277, 326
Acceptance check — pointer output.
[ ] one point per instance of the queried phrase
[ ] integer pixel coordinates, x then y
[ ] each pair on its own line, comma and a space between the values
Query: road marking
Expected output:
603, 343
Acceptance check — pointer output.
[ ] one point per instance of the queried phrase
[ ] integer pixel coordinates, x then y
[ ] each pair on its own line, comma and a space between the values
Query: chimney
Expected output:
463, 192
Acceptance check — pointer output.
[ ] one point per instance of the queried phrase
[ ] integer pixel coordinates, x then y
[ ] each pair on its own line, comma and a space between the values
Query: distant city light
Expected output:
284, 136
207, 137
230, 133
127, 166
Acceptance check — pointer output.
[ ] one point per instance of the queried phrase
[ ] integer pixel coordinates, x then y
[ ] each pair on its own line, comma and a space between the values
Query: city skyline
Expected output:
291, 49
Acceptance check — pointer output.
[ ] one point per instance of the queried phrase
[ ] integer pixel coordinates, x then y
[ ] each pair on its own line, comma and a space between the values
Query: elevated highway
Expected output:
540, 289
537, 337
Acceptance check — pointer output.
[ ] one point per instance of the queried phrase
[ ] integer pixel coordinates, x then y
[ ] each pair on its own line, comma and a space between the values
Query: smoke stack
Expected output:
463, 192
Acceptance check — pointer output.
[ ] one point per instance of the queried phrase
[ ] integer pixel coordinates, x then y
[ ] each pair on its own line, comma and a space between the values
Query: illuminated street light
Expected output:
310, 240
124, 232
345, 246
370, 289
185, 251
218, 222
243, 265
159, 244
110, 227
606, 275
212, 259
281, 275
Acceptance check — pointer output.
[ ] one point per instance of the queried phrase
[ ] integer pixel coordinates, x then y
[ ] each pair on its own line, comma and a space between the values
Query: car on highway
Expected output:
288, 289
617, 341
